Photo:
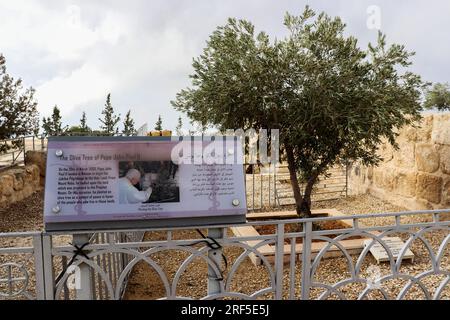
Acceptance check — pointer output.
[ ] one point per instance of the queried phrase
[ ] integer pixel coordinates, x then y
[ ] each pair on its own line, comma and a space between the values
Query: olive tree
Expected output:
330, 99
438, 97
18, 107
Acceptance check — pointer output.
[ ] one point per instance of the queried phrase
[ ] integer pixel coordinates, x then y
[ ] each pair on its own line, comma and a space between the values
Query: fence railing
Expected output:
269, 187
12, 151
21, 266
298, 259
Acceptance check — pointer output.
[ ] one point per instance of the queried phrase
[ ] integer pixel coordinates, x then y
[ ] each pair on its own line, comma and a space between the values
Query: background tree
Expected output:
158, 125
75, 131
438, 97
330, 99
18, 109
83, 123
179, 127
200, 127
128, 125
53, 125
110, 119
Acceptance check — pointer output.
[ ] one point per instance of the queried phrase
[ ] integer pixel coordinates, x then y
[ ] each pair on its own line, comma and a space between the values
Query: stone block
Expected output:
7, 182
386, 151
445, 159
378, 177
28, 190
32, 176
389, 178
405, 183
409, 133
429, 187
384, 177
404, 157
446, 194
427, 158
424, 129
38, 158
18, 183
18, 180
441, 129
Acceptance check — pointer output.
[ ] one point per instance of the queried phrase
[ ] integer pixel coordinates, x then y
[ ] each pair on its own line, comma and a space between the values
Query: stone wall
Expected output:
20, 182
417, 175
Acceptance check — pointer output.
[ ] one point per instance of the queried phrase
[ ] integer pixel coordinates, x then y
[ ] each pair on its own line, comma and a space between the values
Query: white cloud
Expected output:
76, 51
81, 86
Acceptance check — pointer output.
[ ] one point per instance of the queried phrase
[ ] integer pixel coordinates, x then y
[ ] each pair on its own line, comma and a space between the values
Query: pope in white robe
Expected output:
128, 193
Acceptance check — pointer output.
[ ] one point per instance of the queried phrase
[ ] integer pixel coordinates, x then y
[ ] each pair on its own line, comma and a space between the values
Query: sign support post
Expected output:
215, 255
84, 292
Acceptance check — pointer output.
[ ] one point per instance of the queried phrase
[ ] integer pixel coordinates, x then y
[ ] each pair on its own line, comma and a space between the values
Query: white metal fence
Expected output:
12, 151
270, 187
31, 266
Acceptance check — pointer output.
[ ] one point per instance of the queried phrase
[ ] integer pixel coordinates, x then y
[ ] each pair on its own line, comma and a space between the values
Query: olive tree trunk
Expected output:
302, 202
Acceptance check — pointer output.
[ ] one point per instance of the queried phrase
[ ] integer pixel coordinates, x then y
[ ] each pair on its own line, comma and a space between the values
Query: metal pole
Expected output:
346, 178
279, 262
216, 256
275, 185
39, 266
85, 292
269, 186
253, 186
306, 260
47, 261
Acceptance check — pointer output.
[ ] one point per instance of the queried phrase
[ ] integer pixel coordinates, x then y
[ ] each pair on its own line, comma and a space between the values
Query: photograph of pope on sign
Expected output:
148, 182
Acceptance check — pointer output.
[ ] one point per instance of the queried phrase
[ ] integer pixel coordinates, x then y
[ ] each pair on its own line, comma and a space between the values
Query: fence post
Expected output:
279, 262
269, 185
216, 256
85, 292
306, 261
275, 185
39, 267
48, 272
346, 178
24, 148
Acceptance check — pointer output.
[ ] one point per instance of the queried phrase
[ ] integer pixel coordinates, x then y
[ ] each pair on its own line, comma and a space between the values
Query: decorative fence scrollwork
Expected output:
301, 262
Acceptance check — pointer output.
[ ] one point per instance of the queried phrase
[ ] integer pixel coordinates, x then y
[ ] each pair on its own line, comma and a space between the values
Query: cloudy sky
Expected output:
75, 52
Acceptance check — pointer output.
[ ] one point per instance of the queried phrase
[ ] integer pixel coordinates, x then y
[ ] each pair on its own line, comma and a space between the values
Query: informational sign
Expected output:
133, 182
395, 245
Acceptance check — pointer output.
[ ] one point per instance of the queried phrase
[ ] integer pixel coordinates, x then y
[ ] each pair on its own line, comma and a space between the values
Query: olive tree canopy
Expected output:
330, 99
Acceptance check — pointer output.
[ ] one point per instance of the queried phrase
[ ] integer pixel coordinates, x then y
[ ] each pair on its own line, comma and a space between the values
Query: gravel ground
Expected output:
25, 215
145, 284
